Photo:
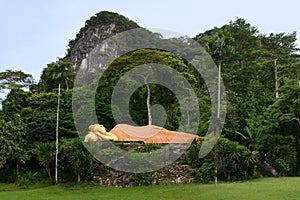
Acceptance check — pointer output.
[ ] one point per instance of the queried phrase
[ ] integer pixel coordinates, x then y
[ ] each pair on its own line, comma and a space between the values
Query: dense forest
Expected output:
261, 134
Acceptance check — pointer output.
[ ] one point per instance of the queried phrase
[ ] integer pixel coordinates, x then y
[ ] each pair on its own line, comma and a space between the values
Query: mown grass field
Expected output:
267, 188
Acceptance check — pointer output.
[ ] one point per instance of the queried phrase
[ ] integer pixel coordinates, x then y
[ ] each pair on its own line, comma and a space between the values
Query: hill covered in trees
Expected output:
261, 134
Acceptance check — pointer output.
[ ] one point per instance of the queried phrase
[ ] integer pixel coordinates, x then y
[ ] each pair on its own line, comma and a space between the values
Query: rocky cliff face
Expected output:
96, 30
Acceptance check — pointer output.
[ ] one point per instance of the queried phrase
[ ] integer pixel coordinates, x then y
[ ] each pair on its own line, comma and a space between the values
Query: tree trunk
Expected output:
219, 92
148, 100
228, 177
188, 117
216, 164
17, 170
67, 84
49, 173
276, 79
217, 126
56, 142
78, 178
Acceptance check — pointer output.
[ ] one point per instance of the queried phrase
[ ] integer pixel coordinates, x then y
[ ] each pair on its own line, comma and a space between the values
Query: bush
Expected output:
205, 173
143, 179
280, 152
8, 174
28, 179
282, 167
192, 155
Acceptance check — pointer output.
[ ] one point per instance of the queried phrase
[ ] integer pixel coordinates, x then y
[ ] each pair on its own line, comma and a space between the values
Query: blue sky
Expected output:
34, 32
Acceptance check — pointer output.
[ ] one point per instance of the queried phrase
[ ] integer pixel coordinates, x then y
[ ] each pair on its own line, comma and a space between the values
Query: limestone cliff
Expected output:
98, 28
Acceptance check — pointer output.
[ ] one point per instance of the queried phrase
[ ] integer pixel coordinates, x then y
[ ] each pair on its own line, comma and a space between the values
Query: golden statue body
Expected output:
146, 134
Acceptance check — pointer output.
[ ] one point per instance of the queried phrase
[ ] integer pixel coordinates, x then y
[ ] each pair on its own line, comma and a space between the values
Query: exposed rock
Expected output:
97, 29
174, 173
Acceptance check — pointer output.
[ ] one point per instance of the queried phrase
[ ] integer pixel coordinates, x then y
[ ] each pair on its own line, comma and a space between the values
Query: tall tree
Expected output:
14, 78
59, 73
218, 47
146, 82
281, 54
15, 101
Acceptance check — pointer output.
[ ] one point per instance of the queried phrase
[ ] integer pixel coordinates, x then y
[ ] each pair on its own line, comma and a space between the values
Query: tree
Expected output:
236, 159
59, 73
45, 154
15, 101
218, 47
282, 155
287, 107
11, 79
5, 143
146, 82
148, 99
281, 49
42, 126
285, 112
67, 125
251, 138
80, 159
139, 106
14, 149
56, 135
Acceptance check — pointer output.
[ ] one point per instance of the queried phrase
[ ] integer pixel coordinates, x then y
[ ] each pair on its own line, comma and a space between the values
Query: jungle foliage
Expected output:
261, 133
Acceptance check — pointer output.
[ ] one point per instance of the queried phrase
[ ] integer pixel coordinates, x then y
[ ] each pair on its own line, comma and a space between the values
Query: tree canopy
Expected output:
15, 78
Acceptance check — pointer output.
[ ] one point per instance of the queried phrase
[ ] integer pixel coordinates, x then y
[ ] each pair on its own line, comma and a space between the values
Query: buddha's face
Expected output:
99, 128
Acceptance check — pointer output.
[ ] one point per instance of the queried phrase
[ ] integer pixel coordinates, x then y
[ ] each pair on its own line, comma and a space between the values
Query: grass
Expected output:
266, 188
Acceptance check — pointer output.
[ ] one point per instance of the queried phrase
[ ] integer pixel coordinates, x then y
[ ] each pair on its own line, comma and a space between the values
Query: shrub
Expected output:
205, 173
28, 179
282, 167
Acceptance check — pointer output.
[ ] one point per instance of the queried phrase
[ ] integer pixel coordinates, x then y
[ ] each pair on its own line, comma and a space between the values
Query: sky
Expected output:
34, 33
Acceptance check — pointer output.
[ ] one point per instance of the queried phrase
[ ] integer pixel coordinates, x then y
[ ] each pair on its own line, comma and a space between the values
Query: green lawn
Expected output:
267, 188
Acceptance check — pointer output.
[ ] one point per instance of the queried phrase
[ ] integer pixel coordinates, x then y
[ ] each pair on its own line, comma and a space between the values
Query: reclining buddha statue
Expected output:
97, 133
145, 134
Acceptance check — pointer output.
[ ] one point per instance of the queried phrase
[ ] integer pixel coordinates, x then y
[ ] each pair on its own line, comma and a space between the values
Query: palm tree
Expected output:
60, 73
45, 154
218, 47
251, 138
78, 156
